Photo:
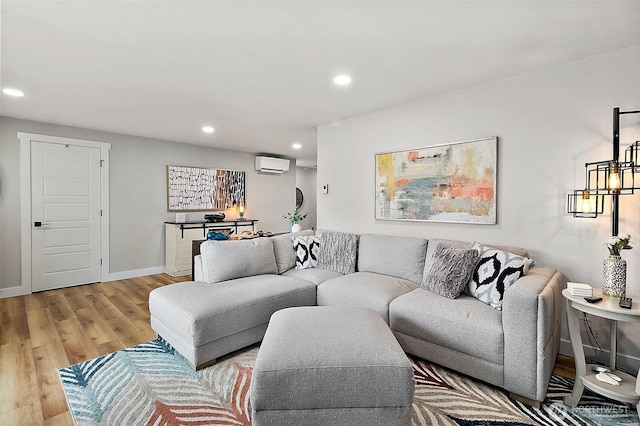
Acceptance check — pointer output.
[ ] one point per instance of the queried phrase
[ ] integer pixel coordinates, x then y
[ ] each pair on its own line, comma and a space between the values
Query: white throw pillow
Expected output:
495, 272
306, 249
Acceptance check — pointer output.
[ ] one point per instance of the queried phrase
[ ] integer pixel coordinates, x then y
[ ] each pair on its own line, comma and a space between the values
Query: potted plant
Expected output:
294, 220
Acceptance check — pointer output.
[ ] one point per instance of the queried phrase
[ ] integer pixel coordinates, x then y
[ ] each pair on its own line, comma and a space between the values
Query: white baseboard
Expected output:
115, 276
12, 292
629, 363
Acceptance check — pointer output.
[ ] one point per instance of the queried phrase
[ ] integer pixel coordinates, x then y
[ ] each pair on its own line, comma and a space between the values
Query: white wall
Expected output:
138, 193
549, 123
306, 181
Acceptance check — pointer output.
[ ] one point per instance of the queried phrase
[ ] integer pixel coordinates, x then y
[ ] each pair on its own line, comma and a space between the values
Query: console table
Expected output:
179, 235
585, 377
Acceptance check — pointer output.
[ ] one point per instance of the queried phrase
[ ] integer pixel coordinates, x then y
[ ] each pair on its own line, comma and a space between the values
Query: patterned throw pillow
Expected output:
450, 270
306, 248
496, 271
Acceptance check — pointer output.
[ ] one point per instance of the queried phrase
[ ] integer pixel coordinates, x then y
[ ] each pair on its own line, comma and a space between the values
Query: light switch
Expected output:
325, 189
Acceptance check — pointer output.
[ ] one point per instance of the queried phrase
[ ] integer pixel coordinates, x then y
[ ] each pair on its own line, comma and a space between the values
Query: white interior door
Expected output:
65, 215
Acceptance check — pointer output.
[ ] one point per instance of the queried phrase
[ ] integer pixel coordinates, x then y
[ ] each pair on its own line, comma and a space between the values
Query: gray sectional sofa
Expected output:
240, 284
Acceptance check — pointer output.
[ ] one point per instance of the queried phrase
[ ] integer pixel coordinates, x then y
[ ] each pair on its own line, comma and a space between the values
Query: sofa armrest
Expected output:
198, 274
531, 319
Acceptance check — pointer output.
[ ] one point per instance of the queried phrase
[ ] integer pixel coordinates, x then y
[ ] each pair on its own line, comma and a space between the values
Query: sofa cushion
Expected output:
201, 313
313, 275
496, 271
226, 260
338, 251
365, 289
450, 270
306, 249
463, 324
401, 257
283, 249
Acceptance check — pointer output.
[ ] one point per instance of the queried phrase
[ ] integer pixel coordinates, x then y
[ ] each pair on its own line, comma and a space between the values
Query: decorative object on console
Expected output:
294, 220
241, 208
214, 235
215, 217
496, 271
450, 271
609, 178
614, 268
197, 189
444, 183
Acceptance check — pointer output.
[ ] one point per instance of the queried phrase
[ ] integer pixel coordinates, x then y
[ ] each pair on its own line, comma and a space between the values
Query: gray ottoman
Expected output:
330, 365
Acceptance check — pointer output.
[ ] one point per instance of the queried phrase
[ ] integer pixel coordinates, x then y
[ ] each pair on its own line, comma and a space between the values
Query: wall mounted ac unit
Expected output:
272, 165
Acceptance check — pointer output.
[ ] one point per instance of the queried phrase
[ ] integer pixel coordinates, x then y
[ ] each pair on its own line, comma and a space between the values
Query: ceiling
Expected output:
261, 72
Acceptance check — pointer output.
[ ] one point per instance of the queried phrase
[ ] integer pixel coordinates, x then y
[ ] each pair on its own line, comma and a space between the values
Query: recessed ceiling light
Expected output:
13, 92
296, 146
208, 129
342, 80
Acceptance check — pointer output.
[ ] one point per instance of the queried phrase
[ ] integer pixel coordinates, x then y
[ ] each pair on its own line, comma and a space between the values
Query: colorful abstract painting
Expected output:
444, 183
195, 188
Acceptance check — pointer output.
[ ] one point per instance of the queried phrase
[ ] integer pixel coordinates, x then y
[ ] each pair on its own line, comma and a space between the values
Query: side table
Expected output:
585, 377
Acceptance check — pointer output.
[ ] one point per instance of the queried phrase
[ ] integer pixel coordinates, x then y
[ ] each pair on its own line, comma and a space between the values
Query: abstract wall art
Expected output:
453, 182
195, 188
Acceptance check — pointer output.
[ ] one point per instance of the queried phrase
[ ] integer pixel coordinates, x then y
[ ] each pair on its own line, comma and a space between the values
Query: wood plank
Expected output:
52, 399
13, 321
75, 298
35, 301
77, 347
41, 327
17, 379
58, 306
94, 326
63, 419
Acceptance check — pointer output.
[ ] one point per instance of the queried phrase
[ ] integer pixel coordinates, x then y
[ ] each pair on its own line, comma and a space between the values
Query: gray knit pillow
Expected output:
338, 251
450, 270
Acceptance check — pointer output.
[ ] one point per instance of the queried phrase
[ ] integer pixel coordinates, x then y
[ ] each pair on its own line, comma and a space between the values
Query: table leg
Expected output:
614, 345
578, 353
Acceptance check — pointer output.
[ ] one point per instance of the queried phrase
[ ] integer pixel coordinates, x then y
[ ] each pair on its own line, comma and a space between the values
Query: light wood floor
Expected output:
42, 332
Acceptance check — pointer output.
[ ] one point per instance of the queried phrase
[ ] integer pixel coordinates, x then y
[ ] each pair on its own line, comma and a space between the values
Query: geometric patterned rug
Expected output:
151, 384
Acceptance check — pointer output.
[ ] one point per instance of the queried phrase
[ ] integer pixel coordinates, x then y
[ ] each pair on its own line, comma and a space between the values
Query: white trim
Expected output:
12, 292
625, 362
25, 202
125, 275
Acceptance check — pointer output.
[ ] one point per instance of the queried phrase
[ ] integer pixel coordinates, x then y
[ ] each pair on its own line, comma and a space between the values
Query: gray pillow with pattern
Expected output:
338, 251
450, 270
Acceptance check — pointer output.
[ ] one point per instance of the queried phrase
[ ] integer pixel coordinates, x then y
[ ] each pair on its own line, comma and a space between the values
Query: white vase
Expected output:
296, 227
614, 276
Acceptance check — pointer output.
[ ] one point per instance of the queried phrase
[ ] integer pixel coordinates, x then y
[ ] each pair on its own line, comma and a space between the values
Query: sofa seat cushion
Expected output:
366, 289
464, 324
314, 275
201, 313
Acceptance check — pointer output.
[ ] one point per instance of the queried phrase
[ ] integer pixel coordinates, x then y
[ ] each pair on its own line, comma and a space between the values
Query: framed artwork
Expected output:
197, 189
453, 182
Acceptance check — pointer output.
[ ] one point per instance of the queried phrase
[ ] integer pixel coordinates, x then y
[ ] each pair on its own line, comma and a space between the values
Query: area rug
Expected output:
151, 384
